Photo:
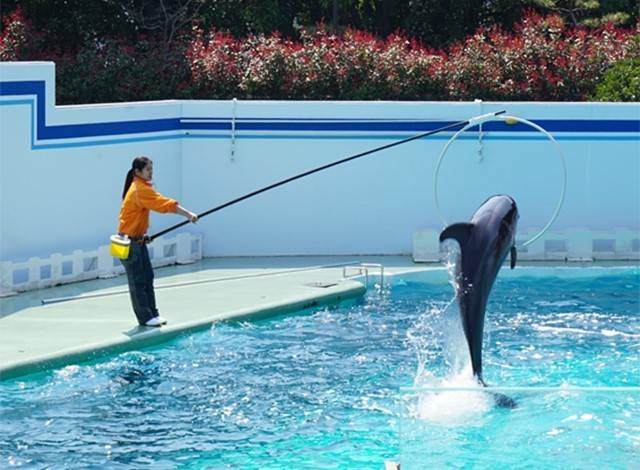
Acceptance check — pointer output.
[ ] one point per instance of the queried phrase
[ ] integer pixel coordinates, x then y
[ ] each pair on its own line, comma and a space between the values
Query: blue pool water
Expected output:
327, 388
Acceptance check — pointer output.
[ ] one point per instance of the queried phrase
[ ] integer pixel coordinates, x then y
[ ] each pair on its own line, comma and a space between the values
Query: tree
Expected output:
67, 24
164, 19
437, 24
593, 13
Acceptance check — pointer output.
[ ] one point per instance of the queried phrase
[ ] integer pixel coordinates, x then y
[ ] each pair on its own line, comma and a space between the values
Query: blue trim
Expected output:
377, 125
109, 128
108, 142
310, 119
14, 102
443, 136
630, 128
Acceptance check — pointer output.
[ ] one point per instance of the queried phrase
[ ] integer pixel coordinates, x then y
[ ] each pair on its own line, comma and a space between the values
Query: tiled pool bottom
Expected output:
324, 389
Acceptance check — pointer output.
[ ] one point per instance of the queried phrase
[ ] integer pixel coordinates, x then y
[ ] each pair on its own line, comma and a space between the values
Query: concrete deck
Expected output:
36, 337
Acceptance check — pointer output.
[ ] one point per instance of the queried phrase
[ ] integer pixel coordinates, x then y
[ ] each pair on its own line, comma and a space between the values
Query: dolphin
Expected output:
485, 242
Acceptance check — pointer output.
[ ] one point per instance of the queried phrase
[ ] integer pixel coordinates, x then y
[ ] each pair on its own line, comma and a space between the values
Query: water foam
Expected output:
437, 336
452, 407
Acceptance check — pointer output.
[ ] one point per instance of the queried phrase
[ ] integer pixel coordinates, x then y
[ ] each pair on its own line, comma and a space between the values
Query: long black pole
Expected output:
315, 170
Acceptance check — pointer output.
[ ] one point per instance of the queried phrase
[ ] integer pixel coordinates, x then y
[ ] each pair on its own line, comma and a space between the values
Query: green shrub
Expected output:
620, 83
111, 71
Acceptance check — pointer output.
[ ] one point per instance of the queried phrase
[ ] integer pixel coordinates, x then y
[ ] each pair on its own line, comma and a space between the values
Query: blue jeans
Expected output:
140, 277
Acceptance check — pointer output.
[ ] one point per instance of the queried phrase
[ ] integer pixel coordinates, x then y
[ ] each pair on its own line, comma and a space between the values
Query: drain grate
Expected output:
322, 284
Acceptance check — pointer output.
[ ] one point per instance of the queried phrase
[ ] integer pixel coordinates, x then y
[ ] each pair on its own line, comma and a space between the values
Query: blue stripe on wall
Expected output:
387, 137
118, 128
109, 128
303, 124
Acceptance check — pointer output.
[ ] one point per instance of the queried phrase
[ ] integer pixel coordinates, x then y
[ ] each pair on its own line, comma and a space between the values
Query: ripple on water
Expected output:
322, 388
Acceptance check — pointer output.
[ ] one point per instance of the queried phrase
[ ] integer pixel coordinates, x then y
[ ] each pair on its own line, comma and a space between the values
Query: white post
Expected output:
77, 270
580, 243
198, 254
183, 248
624, 244
56, 267
105, 263
6, 279
34, 271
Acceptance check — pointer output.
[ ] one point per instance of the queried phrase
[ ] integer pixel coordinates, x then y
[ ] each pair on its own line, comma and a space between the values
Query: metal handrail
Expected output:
363, 268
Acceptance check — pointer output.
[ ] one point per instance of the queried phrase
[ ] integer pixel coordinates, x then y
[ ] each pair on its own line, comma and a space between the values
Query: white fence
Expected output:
81, 265
561, 245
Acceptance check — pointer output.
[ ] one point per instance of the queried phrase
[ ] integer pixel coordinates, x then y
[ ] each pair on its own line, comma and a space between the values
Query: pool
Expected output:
334, 387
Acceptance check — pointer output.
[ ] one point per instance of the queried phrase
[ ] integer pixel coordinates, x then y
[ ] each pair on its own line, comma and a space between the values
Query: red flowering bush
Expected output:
215, 64
413, 72
271, 68
541, 60
321, 66
17, 38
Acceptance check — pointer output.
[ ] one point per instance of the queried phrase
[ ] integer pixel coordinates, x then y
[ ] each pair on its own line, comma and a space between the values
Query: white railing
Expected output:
563, 245
350, 271
36, 273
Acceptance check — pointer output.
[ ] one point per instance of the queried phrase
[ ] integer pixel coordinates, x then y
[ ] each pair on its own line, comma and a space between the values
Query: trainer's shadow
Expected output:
140, 331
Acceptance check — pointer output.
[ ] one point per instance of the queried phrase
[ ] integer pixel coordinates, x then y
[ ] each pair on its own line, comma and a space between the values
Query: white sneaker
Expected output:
156, 321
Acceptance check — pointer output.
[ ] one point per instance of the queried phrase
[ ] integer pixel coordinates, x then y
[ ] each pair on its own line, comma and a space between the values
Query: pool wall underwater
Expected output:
62, 169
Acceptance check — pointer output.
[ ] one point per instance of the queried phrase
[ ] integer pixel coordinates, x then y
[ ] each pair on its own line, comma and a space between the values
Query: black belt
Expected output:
140, 240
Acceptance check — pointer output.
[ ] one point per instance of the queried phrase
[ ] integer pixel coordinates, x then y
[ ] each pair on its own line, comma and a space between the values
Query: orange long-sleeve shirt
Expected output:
140, 199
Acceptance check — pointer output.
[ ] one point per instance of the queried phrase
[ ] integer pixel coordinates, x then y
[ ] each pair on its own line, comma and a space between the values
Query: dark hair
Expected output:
138, 163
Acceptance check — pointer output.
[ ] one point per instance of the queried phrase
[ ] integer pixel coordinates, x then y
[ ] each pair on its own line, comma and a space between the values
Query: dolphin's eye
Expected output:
505, 228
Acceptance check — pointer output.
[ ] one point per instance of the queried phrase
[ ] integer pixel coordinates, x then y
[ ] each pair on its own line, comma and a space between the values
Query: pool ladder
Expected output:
363, 269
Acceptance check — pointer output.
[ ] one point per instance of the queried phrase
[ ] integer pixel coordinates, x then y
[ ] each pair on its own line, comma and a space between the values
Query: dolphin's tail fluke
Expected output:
502, 400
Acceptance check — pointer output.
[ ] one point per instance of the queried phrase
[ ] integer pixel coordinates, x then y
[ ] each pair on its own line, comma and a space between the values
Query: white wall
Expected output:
60, 194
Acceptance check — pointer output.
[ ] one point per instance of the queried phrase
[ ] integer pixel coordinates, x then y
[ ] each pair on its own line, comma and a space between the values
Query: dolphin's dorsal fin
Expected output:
514, 256
459, 232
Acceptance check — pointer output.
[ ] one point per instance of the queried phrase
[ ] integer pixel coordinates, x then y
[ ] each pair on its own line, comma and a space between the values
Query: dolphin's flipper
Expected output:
459, 232
514, 256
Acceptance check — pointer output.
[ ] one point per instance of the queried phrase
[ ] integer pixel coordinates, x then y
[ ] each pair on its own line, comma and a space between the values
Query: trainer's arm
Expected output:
188, 214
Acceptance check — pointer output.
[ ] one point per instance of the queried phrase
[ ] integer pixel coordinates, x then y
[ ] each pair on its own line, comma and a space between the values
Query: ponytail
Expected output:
127, 182
138, 164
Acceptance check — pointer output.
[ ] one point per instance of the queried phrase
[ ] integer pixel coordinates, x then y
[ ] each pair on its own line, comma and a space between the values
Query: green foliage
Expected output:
438, 24
110, 71
620, 83
593, 13
67, 24
123, 50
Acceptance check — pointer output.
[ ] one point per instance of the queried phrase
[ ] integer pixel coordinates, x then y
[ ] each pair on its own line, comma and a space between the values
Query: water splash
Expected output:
437, 337
438, 341
451, 407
